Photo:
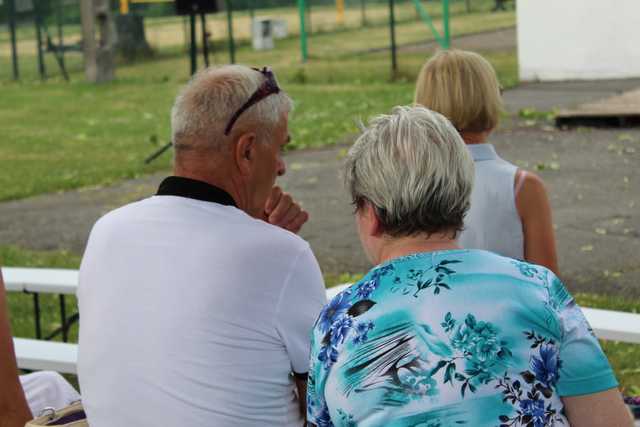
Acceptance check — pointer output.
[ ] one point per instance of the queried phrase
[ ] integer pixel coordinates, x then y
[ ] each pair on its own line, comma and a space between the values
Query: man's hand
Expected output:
281, 210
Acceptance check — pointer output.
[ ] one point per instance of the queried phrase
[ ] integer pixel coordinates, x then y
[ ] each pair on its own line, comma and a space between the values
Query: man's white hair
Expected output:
205, 105
415, 169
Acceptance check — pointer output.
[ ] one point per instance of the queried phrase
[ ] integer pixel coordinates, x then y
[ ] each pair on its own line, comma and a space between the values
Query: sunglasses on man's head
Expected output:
268, 87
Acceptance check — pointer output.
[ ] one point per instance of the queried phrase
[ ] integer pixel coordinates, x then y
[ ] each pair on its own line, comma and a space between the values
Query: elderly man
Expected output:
196, 309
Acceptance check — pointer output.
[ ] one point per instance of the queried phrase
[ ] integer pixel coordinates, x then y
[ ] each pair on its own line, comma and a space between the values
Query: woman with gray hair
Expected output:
435, 334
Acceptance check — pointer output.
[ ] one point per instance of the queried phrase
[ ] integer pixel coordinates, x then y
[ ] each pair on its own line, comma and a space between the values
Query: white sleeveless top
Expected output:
492, 222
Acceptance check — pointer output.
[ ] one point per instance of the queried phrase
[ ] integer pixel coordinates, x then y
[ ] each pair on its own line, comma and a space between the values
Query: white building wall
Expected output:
578, 39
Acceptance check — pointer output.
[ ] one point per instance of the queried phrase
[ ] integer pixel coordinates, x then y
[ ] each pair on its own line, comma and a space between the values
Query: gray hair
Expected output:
416, 171
205, 105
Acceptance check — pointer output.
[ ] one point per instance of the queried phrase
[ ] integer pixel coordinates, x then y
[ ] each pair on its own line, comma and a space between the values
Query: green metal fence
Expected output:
312, 21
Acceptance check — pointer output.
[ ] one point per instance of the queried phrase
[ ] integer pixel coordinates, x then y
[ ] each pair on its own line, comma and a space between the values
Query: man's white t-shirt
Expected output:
193, 313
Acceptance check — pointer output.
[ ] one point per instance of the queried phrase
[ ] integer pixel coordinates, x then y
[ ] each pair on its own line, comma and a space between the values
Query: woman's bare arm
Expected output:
534, 209
598, 409
14, 411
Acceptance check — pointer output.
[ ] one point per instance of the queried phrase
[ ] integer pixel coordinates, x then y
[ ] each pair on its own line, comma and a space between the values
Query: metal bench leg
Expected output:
36, 306
63, 319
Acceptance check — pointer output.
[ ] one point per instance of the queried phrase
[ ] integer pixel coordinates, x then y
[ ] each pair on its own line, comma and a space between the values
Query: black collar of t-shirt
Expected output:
194, 189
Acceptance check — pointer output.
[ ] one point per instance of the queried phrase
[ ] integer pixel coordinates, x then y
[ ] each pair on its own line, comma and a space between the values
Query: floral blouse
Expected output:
452, 338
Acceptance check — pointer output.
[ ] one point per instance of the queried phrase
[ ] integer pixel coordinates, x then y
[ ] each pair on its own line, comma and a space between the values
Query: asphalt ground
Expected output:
592, 176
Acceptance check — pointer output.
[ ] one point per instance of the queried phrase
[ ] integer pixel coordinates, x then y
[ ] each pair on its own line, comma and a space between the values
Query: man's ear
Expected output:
244, 152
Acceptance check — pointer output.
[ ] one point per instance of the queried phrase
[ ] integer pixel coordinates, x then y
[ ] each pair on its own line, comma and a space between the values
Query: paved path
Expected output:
592, 176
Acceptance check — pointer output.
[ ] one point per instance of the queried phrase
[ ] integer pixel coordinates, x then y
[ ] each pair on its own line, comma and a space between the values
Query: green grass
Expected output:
60, 136
623, 357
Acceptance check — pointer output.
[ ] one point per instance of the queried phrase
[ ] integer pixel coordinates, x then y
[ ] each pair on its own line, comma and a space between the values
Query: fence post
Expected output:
193, 50
363, 13
232, 44
251, 12
445, 23
14, 48
340, 12
60, 19
392, 29
303, 32
36, 19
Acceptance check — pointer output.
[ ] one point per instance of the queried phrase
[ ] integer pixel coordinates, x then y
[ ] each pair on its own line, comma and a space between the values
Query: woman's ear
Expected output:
244, 152
372, 221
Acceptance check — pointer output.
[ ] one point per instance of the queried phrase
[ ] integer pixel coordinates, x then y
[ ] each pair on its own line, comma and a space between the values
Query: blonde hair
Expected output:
462, 86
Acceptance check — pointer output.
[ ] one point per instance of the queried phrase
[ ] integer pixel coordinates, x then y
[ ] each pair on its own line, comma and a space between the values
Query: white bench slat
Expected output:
332, 292
614, 325
39, 355
41, 280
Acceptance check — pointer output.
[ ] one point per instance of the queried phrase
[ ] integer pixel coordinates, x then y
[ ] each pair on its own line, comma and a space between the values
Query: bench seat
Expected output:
38, 355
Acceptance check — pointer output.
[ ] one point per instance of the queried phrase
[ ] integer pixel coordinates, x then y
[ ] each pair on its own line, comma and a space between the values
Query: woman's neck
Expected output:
399, 247
471, 138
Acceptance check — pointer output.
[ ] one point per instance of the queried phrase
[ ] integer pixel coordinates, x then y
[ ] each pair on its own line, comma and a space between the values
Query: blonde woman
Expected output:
510, 212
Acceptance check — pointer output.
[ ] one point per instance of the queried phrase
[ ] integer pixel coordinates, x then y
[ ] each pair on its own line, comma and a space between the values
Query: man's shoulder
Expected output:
121, 214
274, 236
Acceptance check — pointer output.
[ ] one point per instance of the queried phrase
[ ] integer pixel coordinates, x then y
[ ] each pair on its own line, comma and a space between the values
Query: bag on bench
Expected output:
71, 416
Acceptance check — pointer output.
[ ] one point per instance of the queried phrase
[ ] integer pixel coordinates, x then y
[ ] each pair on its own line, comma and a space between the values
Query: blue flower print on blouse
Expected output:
328, 355
366, 289
362, 332
336, 308
339, 330
336, 319
533, 411
322, 417
545, 367
532, 396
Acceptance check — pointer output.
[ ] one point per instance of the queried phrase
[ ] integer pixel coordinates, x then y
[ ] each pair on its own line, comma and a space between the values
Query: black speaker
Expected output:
187, 7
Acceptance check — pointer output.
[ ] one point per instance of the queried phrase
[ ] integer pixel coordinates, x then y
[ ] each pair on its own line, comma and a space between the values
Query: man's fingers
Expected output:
282, 211
279, 212
291, 214
273, 200
297, 223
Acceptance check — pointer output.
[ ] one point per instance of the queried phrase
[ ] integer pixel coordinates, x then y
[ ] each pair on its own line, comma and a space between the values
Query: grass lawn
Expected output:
60, 136
623, 357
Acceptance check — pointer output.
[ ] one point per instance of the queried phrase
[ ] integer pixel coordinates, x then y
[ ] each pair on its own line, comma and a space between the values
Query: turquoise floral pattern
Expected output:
426, 340
478, 346
418, 280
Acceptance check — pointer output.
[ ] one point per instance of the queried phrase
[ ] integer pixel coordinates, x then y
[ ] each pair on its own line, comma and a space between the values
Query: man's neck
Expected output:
208, 178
